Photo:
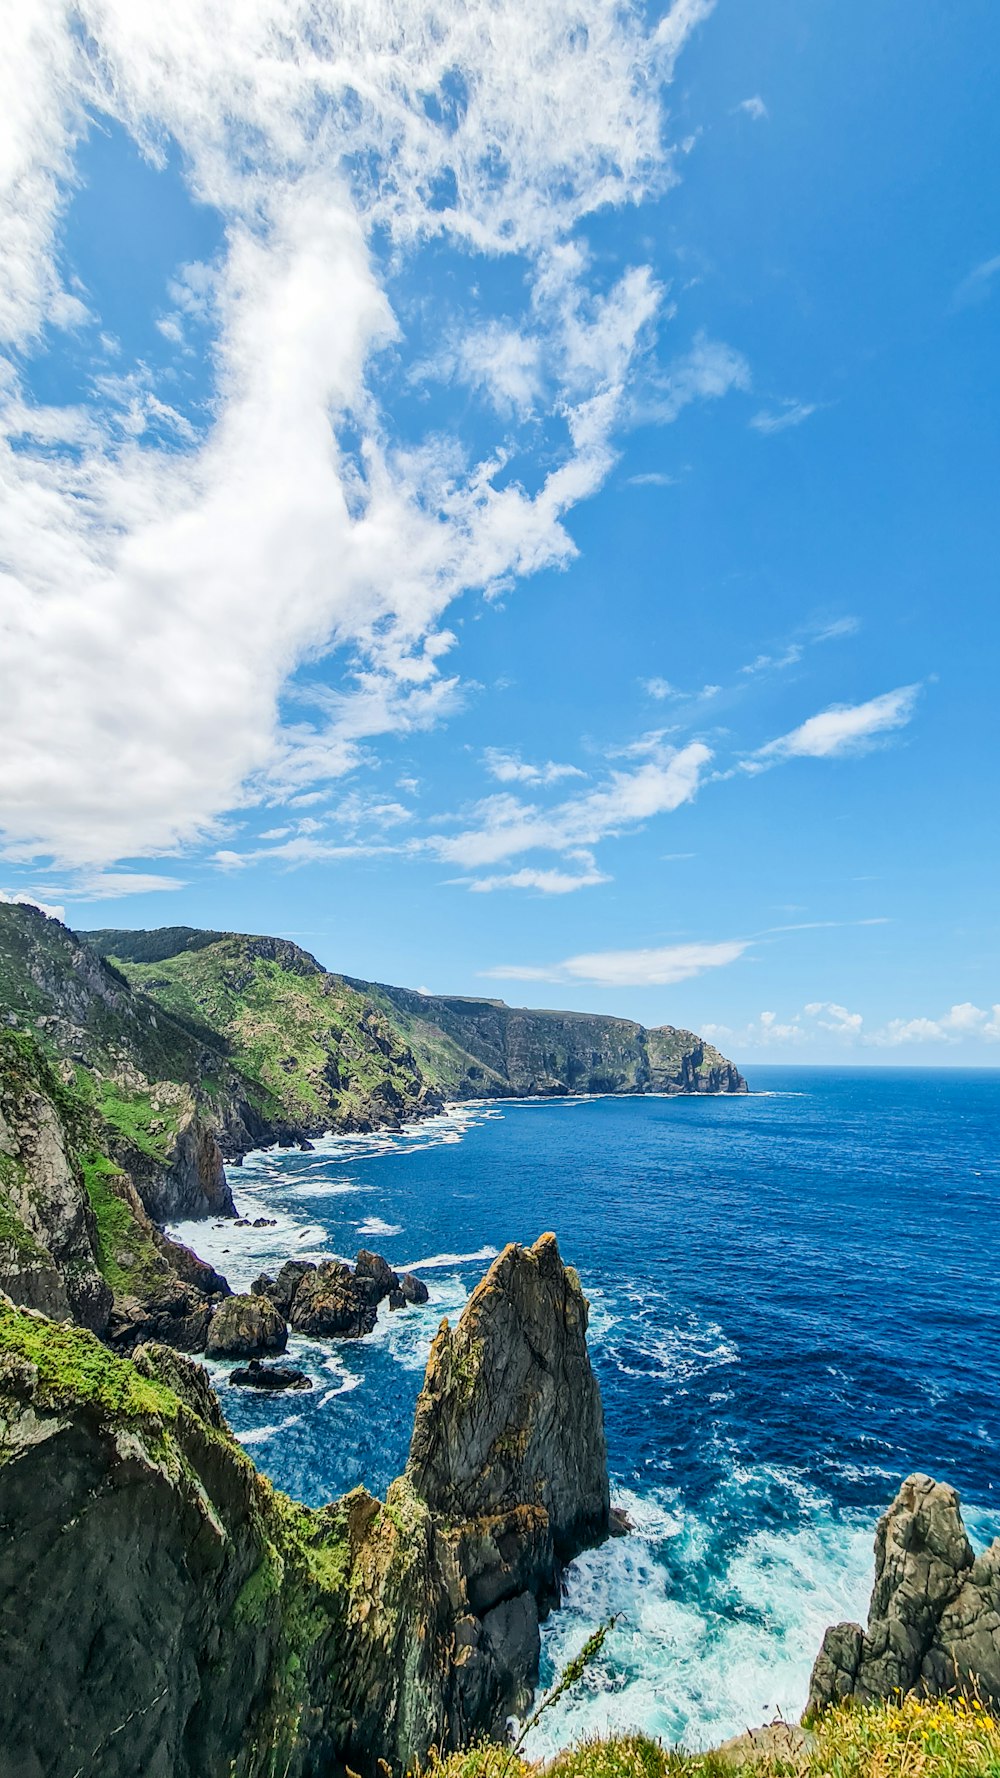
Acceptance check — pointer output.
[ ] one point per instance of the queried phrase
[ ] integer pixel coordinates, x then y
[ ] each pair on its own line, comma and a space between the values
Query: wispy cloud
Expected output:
652, 478
779, 419
505, 826
753, 107
978, 286
843, 728
657, 966
546, 882
510, 768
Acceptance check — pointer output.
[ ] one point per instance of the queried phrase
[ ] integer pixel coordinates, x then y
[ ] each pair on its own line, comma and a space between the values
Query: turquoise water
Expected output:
793, 1304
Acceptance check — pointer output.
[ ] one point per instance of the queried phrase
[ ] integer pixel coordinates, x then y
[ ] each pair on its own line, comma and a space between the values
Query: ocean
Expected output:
794, 1303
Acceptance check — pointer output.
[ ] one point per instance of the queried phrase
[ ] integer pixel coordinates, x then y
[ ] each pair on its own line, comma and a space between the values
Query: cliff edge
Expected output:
190, 1620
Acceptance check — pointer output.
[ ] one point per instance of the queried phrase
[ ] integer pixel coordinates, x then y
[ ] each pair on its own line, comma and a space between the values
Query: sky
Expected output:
506, 496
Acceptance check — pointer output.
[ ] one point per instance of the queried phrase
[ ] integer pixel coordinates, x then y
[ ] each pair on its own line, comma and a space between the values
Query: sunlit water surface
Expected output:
793, 1304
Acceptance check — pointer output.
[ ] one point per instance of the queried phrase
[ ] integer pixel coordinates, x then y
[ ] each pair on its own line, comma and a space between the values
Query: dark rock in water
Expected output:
414, 1289
246, 1327
396, 1299
242, 1222
172, 1312
331, 1302
281, 1290
269, 1376
265, 1222
307, 1147
372, 1265
934, 1620
619, 1523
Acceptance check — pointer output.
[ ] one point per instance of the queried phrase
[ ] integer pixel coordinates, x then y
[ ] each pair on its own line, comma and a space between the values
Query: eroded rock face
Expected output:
508, 1449
246, 1327
934, 1621
372, 1265
216, 1627
332, 1302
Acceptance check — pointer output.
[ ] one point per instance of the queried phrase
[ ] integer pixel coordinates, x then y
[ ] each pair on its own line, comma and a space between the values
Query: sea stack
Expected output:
934, 1620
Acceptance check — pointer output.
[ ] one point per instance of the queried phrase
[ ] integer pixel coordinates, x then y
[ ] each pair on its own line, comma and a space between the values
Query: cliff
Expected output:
934, 1621
190, 1620
75, 1239
334, 1051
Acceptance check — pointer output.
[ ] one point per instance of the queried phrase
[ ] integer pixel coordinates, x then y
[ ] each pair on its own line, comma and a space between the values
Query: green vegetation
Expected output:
126, 1256
74, 1369
318, 1050
938, 1738
144, 1123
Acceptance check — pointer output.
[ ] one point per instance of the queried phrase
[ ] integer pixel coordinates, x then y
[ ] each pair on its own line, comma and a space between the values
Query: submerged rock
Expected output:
934, 1620
269, 1376
246, 1327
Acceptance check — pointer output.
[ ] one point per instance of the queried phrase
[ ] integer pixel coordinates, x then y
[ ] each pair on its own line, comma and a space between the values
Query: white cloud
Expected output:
510, 768
547, 882
19, 899
659, 966
789, 413
963, 1021
843, 728
979, 284
506, 826
652, 478
708, 371
754, 107
774, 663
660, 689
823, 1021
166, 579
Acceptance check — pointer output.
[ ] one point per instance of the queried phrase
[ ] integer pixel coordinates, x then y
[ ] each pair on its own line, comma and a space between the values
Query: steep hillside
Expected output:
323, 1052
217, 1627
75, 1239
334, 1050
168, 1093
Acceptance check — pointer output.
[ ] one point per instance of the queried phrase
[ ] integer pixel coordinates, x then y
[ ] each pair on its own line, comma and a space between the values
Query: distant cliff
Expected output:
332, 1050
218, 1627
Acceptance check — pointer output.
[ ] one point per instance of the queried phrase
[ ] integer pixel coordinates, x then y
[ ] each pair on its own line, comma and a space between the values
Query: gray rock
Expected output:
269, 1377
246, 1327
331, 1302
934, 1622
281, 1290
414, 1289
372, 1265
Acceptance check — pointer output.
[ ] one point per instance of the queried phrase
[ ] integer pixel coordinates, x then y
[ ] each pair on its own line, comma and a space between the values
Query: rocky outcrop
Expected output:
934, 1621
75, 1239
332, 1302
508, 1448
373, 1266
413, 1289
246, 1327
216, 1626
269, 1377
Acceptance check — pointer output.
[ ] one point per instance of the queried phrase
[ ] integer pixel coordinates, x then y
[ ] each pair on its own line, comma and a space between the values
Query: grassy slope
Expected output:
918, 1739
320, 1050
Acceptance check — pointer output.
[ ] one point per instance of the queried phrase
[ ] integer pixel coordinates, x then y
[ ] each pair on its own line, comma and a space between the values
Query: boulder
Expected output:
332, 1302
171, 1312
269, 1376
396, 1299
281, 1290
414, 1289
246, 1327
372, 1265
934, 1621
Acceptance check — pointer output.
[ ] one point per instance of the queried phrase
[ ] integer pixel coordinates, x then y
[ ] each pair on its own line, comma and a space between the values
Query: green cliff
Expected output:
331, 1050
190, 1620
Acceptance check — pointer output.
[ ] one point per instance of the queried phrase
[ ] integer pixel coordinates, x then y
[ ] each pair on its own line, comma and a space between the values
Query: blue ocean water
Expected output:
793, 1304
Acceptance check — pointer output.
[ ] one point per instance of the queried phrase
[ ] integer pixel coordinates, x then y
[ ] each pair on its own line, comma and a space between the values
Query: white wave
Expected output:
261, 1434
374, 1225
737, 1648
447, 1259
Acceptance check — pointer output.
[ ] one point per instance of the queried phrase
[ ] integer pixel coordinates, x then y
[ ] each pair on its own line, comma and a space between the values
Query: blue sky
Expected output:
507, 497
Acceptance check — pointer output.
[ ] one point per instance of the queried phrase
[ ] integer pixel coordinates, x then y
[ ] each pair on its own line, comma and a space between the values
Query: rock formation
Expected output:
246, 1327
508, 1449
188, 1619
934, 1620
75, 1239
